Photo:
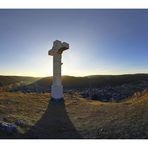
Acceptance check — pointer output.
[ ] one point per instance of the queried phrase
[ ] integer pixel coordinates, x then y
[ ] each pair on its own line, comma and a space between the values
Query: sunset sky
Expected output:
101, 41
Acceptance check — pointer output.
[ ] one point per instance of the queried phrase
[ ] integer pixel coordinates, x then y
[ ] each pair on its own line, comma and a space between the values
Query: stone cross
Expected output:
56, 52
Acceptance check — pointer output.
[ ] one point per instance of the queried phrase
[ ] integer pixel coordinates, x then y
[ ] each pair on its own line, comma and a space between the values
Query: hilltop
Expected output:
76, 118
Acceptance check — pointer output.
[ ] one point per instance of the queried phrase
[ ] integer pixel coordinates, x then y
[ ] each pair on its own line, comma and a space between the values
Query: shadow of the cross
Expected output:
54, 124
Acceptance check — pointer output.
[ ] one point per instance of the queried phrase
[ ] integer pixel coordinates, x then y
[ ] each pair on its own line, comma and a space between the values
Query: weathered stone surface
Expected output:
56, 52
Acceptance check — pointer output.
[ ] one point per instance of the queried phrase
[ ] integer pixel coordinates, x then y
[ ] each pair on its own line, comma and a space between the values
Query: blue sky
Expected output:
101, 41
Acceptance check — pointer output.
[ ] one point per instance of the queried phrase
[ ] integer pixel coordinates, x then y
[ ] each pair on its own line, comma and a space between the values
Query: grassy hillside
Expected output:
70, 82
76, 118
94, 81
7, 80
12, 82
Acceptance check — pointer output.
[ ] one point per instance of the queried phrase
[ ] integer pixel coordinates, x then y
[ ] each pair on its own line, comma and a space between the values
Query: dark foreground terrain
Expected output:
75, 118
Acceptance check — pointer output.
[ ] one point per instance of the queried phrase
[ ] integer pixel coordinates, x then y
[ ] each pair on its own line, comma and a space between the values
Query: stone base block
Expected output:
57, 92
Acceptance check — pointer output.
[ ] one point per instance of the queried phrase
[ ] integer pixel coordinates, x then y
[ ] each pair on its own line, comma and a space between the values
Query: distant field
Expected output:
89, 119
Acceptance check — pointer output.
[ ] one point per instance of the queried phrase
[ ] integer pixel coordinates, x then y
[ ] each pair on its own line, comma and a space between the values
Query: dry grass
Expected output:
92, 119
28, 107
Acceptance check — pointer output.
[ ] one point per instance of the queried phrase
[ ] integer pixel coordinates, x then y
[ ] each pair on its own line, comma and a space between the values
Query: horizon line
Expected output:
74, 75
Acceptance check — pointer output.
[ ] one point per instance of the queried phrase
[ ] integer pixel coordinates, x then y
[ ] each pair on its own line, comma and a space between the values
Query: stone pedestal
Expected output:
57, 92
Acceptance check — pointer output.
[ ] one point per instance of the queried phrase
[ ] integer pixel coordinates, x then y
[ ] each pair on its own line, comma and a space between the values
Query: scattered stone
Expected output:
8, 128
20, 123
